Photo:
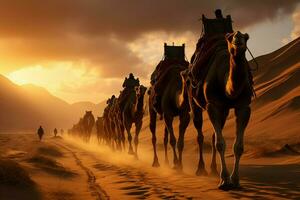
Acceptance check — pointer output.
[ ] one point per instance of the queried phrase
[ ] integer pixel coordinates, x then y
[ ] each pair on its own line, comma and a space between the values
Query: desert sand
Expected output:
66, 168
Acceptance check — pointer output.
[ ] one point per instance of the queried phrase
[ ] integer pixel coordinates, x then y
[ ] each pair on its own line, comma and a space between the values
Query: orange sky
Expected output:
81, 50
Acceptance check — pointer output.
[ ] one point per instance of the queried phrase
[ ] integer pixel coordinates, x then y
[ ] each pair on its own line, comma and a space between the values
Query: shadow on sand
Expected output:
16, 183
282, 181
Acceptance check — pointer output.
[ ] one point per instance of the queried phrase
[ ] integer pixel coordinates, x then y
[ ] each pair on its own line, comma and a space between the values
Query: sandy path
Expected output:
122, 177
119, 178
93, 172
95, 189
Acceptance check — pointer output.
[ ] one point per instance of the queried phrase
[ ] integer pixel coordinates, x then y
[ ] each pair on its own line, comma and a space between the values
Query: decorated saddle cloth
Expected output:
201, 60
159, 77
207, 46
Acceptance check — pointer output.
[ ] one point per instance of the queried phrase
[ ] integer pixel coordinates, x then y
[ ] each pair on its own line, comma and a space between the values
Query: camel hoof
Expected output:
167, 163
178, 167
214, 173
136, 157
236, 184
226, 186
130, 152
201, 172
155, 163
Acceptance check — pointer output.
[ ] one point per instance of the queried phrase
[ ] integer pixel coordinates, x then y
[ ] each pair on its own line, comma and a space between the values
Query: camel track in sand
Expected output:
139, 184
95, 189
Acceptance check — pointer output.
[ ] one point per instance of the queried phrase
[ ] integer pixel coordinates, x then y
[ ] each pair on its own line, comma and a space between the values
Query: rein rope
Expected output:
256, 63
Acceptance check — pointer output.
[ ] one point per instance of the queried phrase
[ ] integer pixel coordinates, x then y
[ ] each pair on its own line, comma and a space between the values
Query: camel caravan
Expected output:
218, 78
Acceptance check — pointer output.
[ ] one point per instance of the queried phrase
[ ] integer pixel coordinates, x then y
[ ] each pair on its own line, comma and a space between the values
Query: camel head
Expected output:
88, 112
140, 90
237, 43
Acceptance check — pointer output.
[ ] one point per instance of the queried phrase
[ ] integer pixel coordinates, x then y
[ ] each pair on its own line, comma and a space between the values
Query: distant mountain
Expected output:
24, 108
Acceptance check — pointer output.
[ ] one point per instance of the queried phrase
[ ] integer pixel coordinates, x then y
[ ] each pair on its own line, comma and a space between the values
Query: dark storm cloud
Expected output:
103, 27
125, 18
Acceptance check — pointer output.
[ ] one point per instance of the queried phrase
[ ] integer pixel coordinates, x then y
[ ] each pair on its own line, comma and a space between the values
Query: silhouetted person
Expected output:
55, 132
40, 132
131, 82
61, 131
219, 14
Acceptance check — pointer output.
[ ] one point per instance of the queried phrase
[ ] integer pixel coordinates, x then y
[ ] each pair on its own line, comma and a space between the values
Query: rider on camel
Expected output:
213, 39
129, 84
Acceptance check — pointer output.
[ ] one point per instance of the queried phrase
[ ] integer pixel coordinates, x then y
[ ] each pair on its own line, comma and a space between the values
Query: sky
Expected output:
81, 50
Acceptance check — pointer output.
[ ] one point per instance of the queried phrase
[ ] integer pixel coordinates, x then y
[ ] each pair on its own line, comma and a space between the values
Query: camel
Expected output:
133, 112
80, 128
106, 125
107, 122
99, 129
226, 86
88, 124
118, 123
173, 103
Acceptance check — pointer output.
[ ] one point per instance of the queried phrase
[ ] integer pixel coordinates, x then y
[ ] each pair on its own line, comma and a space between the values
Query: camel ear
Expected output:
229, 37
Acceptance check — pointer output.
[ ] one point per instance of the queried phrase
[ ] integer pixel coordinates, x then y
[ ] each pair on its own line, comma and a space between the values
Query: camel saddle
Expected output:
159, 77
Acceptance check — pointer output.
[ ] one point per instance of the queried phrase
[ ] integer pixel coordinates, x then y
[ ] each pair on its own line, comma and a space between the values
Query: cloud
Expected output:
126, 18
296, 19
295, 32
99, 31
111, 38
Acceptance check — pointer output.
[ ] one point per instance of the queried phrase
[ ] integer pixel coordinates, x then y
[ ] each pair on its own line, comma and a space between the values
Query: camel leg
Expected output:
166, 146
213, 165
127, 125
242, 119
169, 124
136, 137
129, 137
112, 137
183, 124
123, 137
118, 136
198, 122
153, 116
217, 115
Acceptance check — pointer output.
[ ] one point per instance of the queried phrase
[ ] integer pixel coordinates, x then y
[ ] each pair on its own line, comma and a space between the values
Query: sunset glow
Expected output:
92, 56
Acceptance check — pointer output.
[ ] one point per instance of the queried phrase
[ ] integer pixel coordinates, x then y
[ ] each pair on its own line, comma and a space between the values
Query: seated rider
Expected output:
110, 100
129, 84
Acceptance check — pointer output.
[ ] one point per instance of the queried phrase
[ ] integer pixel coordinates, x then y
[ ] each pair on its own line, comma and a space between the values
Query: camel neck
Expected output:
140, 103
237, 76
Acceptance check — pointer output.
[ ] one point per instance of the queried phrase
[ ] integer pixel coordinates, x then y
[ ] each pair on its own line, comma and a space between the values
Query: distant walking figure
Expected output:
55, 132
40, 132
61, 131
